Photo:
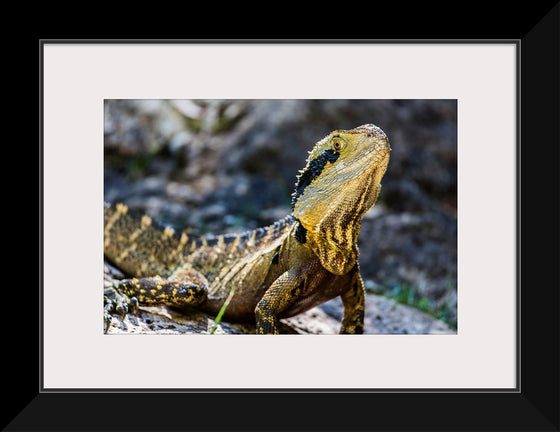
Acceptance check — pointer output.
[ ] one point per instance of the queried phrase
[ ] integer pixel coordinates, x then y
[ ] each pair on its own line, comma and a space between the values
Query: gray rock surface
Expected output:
383, 316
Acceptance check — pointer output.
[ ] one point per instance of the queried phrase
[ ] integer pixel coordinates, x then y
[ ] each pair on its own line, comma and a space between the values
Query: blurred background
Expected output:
224, 166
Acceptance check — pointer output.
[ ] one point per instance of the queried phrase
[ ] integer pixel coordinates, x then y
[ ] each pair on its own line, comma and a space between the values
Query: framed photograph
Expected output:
237, 190
197, 150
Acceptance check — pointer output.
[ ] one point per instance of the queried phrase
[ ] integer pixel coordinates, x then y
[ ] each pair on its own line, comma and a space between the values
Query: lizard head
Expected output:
338, 186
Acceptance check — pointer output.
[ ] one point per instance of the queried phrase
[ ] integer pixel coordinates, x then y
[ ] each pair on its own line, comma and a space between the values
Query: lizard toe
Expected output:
117, 304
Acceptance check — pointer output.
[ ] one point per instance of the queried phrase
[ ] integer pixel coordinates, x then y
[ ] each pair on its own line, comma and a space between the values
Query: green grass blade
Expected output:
222, 310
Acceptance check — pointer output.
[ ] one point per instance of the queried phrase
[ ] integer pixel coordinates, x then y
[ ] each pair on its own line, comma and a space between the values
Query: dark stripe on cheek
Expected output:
314, 170
301, 233
276, 255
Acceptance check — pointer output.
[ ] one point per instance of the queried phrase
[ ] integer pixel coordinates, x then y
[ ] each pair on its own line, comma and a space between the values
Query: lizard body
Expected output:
281, 270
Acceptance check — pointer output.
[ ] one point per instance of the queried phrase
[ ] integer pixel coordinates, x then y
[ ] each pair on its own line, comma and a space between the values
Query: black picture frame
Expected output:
532, 406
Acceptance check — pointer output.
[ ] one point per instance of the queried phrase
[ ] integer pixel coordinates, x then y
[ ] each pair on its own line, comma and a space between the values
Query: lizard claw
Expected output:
107, 318
119, 305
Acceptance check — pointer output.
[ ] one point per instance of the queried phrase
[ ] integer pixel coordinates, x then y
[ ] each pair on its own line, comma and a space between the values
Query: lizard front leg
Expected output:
354, 306
184, 287
277, 298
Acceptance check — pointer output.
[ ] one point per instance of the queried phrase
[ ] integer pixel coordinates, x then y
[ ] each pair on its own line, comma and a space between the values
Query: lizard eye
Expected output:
337, 145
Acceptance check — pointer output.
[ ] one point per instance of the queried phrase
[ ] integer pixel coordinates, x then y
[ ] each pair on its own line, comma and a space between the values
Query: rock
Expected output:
414, 250
164, 320
383, 316
139, 127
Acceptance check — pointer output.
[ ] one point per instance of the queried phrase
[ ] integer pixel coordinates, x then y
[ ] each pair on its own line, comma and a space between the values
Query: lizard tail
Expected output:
137, 245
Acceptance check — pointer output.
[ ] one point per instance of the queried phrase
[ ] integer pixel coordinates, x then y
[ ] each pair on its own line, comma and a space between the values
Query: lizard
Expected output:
262, 275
